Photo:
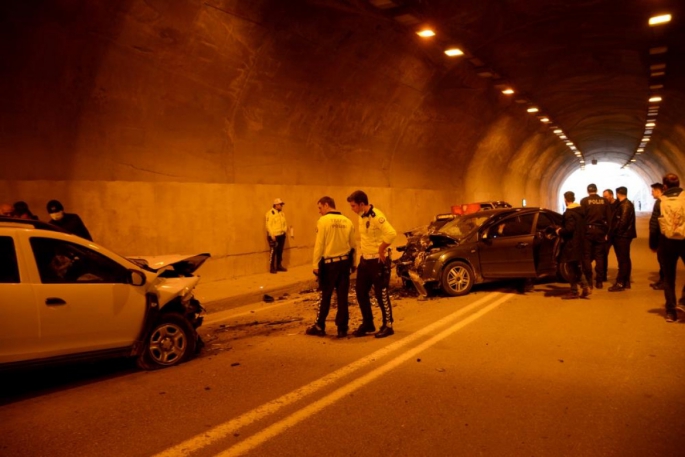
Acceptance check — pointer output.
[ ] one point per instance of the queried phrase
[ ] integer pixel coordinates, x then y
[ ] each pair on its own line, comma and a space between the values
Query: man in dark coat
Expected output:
571, 232
623, 227
596, 228
70, 223
655, 232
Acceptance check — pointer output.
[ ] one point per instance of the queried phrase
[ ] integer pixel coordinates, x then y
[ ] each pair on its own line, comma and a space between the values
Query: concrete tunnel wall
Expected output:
170, 126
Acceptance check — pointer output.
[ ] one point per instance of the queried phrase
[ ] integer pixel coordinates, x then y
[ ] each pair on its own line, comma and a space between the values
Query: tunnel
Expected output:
170, 126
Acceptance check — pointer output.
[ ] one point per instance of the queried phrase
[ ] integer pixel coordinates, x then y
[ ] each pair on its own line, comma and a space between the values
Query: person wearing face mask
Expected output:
70, 223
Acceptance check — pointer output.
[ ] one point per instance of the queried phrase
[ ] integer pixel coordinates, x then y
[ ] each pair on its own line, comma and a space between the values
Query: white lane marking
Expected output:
230, 427
313, 408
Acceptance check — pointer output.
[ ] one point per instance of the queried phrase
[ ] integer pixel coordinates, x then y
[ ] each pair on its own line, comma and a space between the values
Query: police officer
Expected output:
623, 234
596, 212
332, 261
374, 266
276, 227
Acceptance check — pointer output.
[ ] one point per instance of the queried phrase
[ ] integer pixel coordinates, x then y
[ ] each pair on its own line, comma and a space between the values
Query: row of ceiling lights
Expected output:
657, 72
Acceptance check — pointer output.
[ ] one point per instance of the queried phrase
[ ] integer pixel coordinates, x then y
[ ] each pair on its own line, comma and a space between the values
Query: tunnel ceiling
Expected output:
586, 64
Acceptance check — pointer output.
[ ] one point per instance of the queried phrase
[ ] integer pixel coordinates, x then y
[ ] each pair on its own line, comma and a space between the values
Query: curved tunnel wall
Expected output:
170, 126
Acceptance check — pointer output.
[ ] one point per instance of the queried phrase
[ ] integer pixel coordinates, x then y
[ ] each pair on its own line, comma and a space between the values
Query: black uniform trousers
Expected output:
370, 273
276, 251
334, 276
669, 253
625, 265
594, 248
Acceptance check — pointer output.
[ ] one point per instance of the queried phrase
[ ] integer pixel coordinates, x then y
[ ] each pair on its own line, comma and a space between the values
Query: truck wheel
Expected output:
171, 341
457, 279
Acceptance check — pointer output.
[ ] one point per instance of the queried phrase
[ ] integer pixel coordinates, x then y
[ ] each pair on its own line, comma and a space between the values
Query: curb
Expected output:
258, 295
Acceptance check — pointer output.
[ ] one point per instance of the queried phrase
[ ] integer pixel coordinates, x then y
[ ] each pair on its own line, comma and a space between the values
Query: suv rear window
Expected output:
9, 269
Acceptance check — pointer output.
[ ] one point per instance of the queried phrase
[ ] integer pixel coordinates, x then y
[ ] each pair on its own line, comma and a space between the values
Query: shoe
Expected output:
315, 330
570, 295
385, 331
342, 333
681, 304
587, 291
281, 268
272, 271
618, 287
671, 316
362, 330
598, 284
659, 285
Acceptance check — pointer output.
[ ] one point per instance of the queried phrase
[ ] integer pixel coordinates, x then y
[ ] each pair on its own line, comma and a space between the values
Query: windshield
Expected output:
462, 226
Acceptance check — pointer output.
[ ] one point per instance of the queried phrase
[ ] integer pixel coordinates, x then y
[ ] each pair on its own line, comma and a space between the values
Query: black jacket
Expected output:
571, 234
624, 220
72, 223
613, 207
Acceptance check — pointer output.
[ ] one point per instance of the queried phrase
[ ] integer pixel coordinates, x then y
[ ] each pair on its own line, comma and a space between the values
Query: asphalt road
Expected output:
494, 373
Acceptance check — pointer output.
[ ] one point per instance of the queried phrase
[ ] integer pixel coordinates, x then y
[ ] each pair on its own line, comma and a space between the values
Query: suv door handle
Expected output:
521, 245
54, 301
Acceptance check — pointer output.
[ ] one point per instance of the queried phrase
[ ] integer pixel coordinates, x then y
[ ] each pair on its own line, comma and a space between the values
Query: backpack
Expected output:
672, 219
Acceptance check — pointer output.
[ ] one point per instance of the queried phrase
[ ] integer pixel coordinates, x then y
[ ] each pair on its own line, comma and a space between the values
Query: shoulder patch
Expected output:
273, 211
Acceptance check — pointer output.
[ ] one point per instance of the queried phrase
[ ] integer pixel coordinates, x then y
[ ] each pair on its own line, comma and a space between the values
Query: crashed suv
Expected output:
65, 298
506, 243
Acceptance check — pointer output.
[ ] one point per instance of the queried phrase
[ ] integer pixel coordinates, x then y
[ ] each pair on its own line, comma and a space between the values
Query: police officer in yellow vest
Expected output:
276, 228
374, 266
332, 261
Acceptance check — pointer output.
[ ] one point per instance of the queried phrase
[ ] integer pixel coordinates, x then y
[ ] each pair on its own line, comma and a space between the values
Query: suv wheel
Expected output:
457, 279
171, 341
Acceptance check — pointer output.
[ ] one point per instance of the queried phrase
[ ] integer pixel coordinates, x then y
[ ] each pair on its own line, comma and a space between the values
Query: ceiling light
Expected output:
452, 52
426, 33
645, 139
662, 19
639, 150
654, 99
569, 143
407, 19
657, 66
658, 50
544, 119
654, 74
648, 131
532, 109
633, 160
486, 74
650, 124
573, 148
563, 137
508, 91
558, 131
656, 86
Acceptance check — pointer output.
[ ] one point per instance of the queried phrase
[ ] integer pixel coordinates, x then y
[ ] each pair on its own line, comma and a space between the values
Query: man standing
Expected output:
596, 214
332, 261
623, 234
374, 266
70, 223
276, 228
655, 234
613, 206
571, 232
671, 246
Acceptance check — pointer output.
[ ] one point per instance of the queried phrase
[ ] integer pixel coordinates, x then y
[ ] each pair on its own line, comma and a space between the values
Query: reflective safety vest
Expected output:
275, 222
334, 237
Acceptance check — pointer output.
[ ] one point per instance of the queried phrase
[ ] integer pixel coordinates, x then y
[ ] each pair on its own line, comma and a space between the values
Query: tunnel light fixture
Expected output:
569, 143
633, 160
650, 124
656, 74
661, 19
657, 66
508, 91
426, 33
645, 139
658, 50
407, 19
454, 52
563, 137
639, 150
656, 86
654, 99
532, 109
558, 131
648, 132
544, 120
487, 74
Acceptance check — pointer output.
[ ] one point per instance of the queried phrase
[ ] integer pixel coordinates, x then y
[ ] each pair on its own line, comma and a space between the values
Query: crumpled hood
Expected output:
182, 263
